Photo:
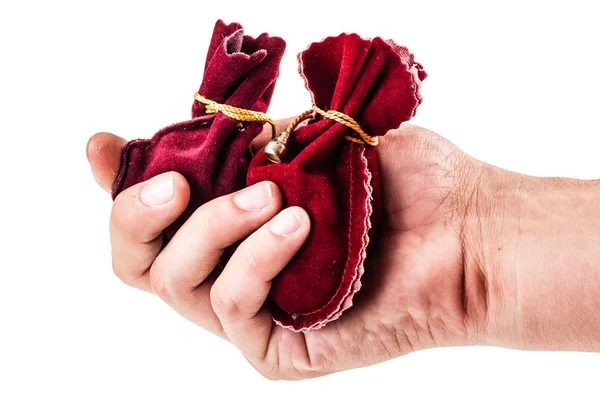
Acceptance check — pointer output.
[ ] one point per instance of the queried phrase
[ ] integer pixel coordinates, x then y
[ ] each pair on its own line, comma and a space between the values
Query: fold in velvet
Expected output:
336, 181
209, 150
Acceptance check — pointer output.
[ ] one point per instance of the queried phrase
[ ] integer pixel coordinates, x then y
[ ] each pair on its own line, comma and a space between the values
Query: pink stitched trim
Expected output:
360, 268
356, 285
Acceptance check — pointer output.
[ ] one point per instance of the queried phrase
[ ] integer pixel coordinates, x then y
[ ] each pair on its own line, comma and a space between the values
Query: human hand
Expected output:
428, 284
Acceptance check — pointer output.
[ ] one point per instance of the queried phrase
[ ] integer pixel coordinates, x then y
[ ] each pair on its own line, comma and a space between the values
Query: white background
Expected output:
513, 83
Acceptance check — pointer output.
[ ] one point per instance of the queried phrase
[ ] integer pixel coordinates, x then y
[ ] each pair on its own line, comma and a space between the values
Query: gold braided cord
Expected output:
350, 123
338, 117
297, 120
239, 114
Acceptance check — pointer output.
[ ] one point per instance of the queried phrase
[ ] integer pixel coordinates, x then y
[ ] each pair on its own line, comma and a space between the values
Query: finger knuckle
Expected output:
159, 285
171, 284
273, 372
122, 220
223, 303
270, 374
116, 218
124, 274
293, 370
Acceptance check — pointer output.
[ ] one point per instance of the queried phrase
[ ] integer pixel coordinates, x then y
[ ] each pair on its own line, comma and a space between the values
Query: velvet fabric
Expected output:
336, 181
209, 150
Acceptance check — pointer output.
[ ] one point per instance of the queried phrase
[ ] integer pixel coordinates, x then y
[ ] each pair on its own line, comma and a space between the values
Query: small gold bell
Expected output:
275, 150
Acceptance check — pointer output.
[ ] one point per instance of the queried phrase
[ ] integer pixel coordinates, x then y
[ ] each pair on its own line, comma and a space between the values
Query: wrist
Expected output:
532, 253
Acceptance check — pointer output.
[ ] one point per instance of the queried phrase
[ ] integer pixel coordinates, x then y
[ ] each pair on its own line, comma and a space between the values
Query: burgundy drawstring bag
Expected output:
332, 173
212, 149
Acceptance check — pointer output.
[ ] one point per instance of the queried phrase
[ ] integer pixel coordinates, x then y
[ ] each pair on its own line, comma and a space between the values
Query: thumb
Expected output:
104, 154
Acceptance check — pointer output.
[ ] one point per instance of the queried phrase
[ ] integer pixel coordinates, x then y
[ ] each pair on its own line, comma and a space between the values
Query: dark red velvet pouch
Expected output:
335, 180
210, 150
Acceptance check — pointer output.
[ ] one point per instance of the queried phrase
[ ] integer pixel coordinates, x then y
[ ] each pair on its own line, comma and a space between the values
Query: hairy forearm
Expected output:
536, 242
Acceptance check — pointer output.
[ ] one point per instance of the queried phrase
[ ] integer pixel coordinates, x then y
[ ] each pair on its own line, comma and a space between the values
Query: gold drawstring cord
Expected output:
276, 148
297, 120
350, 123
239, 114
338, 117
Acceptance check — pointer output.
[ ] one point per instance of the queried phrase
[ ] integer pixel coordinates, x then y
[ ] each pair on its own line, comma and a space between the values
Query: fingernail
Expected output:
286, 223
158, 191
257, 197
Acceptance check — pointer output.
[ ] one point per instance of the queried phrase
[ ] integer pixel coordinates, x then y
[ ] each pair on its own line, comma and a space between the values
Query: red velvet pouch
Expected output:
210, 150
336, 180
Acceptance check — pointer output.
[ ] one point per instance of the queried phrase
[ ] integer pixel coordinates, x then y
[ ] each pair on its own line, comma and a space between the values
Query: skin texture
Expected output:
470, 254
